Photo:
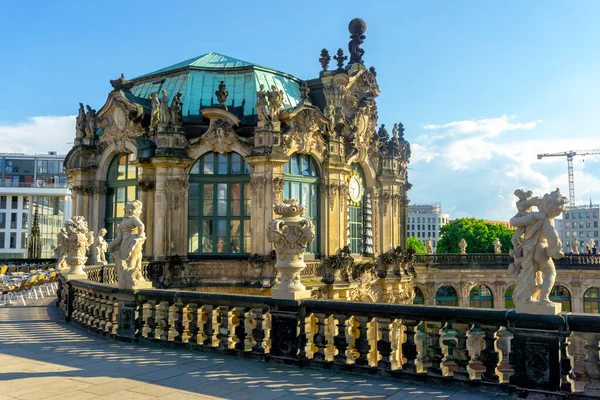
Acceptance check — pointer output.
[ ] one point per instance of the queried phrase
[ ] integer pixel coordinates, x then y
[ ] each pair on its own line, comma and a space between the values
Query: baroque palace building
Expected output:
209, 145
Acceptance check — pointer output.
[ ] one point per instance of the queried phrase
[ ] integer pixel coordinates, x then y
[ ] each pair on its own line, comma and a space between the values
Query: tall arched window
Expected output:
591, 301
301, 178
219, 205
561, 294
481, 297
359, 225
121, 185
446, 296
508, 298
419, 296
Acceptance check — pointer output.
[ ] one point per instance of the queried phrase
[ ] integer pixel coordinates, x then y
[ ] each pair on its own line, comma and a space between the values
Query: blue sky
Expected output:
481, 86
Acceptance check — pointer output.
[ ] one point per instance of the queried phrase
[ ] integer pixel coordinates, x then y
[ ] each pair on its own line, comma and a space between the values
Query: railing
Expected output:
493, 260
499, 350
34, 185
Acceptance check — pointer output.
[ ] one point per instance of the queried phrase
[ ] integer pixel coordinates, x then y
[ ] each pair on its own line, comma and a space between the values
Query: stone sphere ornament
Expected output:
357, 27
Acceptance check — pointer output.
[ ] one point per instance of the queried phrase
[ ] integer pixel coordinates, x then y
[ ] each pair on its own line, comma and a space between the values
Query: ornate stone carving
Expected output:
290, 235
222, 95
462, 245
333, 190
340, 58
155, 115
385, 201
261, 107
257, 185
119, 119
146, 184
343, 189
533, 265
278, 184
176, 111
325, 59
428, 246
80, 123
99, 248
121, 84
91, 122
220, 136
304, 135
395, 202
357, 28
304, 92
126, 248
78, 240
100, 188
364, 291
275, 102
497, 246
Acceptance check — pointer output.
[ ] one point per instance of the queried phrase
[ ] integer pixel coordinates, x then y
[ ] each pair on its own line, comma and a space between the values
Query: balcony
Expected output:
495, 350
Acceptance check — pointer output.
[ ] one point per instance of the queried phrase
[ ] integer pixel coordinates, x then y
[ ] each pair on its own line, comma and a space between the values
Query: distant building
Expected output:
425, 221
27, 180
580, 222
504, 223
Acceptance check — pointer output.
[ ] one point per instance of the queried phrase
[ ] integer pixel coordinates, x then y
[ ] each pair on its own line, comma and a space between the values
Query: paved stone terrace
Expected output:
41, 357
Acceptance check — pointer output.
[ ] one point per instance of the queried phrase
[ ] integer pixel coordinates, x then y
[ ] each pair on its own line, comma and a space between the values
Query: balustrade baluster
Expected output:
161, 328
223, 327
475, 346
591, 364
259, 332
148, 310
238, 331
340, 340
566, 363
434, 350
373, 336
409, 347
205, 331
174, 322
352, 334
449, 342
384, 347
503, 344
310, 330
490, 356
215, 322
330, 333
319, 337
362, 342
397, 338
461, 353
102, 314
189, 321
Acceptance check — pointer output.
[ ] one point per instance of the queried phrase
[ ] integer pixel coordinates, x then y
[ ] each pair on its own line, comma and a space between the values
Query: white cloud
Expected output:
38, 135
484, 127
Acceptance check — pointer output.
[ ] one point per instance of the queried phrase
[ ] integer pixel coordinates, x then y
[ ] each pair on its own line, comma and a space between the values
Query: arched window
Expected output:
481, 297
301, 178
219, 205
591, 301
561, 294
121, 186
419, 296
446, 296
508, 298
359, 225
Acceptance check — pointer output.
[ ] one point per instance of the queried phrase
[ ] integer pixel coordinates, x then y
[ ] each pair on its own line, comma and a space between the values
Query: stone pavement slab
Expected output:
42, 357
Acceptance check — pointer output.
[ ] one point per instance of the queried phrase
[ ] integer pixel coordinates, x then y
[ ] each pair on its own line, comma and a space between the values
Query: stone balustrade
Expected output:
499, 350
490, 260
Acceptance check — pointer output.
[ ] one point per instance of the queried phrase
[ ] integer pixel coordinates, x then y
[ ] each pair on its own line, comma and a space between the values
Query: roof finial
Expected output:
325, 59
340, 58
357, 28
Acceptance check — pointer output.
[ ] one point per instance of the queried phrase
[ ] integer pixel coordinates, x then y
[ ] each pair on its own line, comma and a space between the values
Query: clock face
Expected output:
355, 190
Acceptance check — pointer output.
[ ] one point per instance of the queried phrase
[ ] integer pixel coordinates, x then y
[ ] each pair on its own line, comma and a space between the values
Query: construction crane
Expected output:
570, 154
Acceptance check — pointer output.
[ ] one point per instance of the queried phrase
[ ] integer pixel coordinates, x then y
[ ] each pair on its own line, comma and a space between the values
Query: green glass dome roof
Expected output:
198, 78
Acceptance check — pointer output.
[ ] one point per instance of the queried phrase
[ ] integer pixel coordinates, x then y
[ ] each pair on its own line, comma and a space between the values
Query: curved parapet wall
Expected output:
443, 344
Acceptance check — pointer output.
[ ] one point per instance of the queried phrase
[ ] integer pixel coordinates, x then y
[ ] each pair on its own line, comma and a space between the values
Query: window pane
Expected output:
209, 164
221, 236
247, 200
294, 165
208, 200
26, 202
234, 236
119, 210
247, 236
236, 164
194, 192
222, 199
14, 203
193, 234
121, 172
195, 168
295, 190
131, 193
121, 194
305, 200
304, 166
2, 220
207, 241
222, 164
235, 199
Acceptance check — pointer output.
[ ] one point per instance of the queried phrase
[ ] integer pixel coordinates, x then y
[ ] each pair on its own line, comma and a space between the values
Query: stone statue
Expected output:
261, 106
222, 95
497, 246
126, 248
176, 110
80, 123
290, 234
591, 245
383, 133
330, 115
395, 132
540, 244
91, 123
99, 249
61, 249
275, 102
77, 243
155, 116
357, 28
165, 113
428, 246
575, 245
463, 246
304, 91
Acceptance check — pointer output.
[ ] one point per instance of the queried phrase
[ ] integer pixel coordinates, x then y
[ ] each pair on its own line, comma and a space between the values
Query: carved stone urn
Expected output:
290, 234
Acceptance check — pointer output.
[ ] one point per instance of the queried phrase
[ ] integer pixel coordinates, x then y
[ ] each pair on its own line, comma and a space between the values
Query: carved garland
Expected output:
385, 201
333, 190
146, 184
278, 184
257, 185
176, 189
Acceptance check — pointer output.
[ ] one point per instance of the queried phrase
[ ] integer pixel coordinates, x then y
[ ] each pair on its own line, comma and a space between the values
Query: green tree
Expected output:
416, 245
480, 236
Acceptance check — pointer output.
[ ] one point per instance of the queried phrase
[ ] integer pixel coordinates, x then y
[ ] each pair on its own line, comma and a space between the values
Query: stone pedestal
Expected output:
290, 234
142, 285
539, 308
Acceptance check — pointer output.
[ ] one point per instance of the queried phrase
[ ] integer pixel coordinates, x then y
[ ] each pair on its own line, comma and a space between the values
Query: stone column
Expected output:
160, 215
290, 234
146, 193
